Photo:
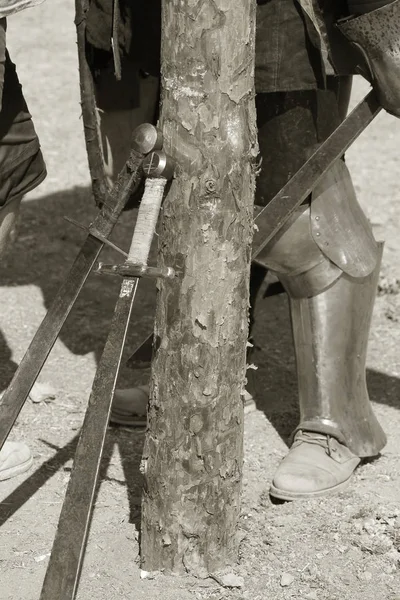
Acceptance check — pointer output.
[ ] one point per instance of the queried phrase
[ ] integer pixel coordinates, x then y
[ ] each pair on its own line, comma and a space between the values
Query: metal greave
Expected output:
330, 332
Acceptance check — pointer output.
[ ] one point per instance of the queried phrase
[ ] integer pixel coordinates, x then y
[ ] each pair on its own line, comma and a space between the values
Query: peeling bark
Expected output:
192, 460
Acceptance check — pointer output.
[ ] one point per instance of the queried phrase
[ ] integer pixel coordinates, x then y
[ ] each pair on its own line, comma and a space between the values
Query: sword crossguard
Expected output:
131, 270
158, 164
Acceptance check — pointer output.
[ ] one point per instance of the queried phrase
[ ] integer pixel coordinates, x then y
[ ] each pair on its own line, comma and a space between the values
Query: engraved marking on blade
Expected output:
152, 164
126, 288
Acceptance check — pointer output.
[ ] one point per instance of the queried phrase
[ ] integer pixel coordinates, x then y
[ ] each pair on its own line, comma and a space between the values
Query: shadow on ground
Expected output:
129, 446
42, 256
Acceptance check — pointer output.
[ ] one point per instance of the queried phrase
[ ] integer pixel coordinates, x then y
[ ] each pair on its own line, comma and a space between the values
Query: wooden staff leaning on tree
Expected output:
326, 256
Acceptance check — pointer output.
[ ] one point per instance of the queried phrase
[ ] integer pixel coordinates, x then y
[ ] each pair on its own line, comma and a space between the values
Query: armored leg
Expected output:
330, 332
337, 425
331, 308
331, 315
328, 261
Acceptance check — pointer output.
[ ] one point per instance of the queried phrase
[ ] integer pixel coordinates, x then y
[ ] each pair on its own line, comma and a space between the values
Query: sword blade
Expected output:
273, 216
62, 576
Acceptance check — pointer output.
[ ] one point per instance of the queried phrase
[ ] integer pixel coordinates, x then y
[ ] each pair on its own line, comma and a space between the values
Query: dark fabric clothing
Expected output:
291, 123
21, 163
138, 31
114, 94
286, 59
22, 178
291, 126
297, 45
361, 7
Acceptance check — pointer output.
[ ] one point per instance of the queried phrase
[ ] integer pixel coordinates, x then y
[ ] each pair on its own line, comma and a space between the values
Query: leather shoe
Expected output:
316, 465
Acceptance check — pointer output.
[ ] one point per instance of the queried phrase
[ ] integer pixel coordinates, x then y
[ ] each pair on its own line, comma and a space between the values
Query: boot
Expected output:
376, 35
337, 424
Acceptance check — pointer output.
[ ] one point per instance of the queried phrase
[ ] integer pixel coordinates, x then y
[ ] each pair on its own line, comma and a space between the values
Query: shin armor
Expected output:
330, 332
328, 262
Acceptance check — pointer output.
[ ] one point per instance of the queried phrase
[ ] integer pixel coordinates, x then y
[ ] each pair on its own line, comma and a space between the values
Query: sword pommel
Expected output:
146, 138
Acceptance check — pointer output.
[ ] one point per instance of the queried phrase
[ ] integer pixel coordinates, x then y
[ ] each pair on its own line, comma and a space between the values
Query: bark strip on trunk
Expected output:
192, 460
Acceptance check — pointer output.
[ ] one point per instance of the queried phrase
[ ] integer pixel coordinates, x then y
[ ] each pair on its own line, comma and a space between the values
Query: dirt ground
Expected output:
346, 547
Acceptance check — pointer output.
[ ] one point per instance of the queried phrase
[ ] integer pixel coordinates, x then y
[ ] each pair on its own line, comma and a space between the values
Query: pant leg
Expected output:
22, 166
291, 126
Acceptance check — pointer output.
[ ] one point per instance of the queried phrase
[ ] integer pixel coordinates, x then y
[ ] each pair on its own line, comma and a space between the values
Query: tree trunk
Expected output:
192, 460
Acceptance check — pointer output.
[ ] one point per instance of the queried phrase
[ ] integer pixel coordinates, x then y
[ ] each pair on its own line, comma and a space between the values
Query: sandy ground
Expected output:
343, 548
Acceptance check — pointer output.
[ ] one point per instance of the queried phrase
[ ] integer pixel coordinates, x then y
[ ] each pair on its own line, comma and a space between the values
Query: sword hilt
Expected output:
145, 138
158, 168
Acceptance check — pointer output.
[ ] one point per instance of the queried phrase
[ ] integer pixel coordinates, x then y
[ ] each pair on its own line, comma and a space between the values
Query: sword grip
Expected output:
146, 220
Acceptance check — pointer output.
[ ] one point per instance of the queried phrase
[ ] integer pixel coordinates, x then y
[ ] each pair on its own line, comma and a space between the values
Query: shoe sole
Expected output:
17, 470
282, 495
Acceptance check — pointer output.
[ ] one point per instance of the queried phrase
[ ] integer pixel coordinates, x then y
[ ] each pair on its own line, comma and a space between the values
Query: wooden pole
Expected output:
192, 460
91, 124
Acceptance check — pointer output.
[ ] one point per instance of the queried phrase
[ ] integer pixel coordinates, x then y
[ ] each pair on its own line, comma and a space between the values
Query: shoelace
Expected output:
315, 438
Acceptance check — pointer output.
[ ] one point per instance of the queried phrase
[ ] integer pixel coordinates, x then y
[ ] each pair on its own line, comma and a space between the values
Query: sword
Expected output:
62, 576
273, 216
145, 138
